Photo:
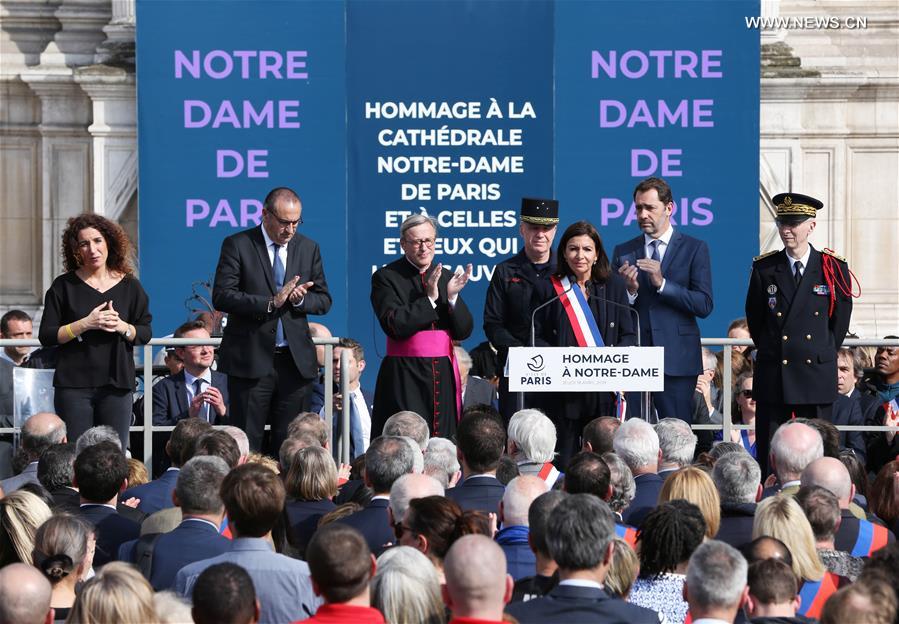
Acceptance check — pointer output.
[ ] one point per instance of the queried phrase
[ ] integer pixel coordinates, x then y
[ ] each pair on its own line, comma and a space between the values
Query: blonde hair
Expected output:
137, 473
263, 460
695, 486
623, 571
21, 513
61, 545
782, 518
312, 475
118, 593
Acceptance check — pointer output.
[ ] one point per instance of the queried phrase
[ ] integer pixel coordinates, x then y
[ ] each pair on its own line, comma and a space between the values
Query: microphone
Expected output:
543, 305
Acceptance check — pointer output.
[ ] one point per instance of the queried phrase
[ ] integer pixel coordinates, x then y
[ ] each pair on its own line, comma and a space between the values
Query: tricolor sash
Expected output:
871, 537
586, 332
814, 594
549, 474
627, 533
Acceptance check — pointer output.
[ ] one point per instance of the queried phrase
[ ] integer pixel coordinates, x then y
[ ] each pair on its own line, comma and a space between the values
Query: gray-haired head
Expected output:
408, 424
624, 488
533, 434
676, 441
414, 221
411, 486
418, 458
793, 447
737, 477
95, 435
406, 587
387, 459
637, 443
579, 532
716, 576
441, 460
198, 485
709, 361
240, 436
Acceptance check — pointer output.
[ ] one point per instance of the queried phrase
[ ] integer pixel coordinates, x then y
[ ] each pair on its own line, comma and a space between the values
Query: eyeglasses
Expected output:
421, 242
285, 222
399, 529
746, 394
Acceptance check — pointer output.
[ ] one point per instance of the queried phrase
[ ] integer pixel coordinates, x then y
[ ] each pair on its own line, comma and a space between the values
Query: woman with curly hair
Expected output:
665, 541
64, 551
96, 312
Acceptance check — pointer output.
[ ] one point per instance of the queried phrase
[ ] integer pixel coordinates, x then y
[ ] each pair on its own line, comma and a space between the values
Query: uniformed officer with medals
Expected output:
798, 307
507, 309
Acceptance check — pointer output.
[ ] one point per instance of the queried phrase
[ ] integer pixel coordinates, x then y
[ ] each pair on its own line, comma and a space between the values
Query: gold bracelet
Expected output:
70, 332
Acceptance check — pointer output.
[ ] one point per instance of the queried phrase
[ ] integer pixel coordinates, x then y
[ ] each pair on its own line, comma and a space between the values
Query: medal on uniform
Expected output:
772, 302
821, 289
772, 289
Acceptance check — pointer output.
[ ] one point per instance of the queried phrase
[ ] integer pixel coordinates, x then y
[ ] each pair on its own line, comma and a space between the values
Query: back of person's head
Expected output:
24, 595
476, 579
240, 436
199, 483
340, 563
579, 532
137, 472
436, 518
171, 608
481, 441
588, 473
507, 469
117, 593
737, 477
254, 497
520, 493
766, 547
600, 432
441, 461
410, 425
623, 571
409, 487
224, 594
716, 577
793, 447
637, 443
855, 464
309, 423
676, 441
884, 563
386, 460
312, 475
867, 601
290, 447
21, 513
95, 435
830, 436
538, 519
772, 583
56, 467
670, 533
418, 458
182, 445
831, 474
533, 434
781, 517
100, 472
822, 509
218, 444
406, 587
696, 486
61, 546
722, 448
621, 480
40, 432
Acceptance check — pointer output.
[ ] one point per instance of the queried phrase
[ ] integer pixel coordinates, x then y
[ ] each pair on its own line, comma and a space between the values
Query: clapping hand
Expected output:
629, 273
457, 282
108, 318
653, 270
285, 291
298, 293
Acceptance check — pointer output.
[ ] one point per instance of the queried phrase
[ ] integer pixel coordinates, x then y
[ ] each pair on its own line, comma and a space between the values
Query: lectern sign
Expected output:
586, 369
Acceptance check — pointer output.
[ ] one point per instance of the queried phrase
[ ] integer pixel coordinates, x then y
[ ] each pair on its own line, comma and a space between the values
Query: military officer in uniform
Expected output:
507, 309
798, 310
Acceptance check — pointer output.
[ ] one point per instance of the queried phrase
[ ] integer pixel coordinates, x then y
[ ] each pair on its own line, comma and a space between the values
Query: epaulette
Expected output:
833, 255
765, 255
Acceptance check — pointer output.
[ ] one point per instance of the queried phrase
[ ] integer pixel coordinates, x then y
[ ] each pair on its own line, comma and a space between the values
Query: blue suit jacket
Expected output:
669, 319
736, 523
113, 530
373, 523
478, 493
645, 499
156, 494
170, 399
848, 411
190, 541
569, 603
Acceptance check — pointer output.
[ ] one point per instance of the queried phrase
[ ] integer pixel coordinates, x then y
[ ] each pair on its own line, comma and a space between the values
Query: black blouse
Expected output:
96, 358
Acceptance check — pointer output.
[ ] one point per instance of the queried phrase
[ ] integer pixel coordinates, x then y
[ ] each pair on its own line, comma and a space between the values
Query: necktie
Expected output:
798, 274
204, 409
655, 251
279, 284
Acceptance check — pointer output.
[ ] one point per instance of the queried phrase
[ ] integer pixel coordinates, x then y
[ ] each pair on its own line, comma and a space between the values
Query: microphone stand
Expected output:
520, 399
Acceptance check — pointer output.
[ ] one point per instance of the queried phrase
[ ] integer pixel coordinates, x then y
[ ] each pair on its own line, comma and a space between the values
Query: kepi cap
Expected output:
539, 211
795, 207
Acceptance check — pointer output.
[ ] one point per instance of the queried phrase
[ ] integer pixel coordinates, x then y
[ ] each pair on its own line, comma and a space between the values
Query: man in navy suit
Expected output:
268, 280
579, 536
387, 459
637, 443
157, 494
669, 282
475, 391
737, 477
197, 537
101, 474
715, 587
480, 439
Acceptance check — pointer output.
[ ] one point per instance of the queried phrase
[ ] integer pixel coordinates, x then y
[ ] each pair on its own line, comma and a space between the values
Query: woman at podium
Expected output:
586, 306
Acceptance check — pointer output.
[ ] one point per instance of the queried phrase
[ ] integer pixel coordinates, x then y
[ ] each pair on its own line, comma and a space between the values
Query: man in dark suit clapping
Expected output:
268, 280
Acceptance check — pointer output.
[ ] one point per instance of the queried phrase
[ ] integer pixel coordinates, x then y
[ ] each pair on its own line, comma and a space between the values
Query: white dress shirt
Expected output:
803, 260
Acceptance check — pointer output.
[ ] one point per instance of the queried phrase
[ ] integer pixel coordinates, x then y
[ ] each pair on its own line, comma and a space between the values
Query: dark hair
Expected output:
830, 436
601, 269
668, 536
738, 323
884, 500
224, 594
40, 491
183, 442
579, 531
190, 326
100, 471
339, 562
760, 549
481, 440
821, 508
277, 194
220, 444
387, 459
506, 470
12, 315
254, 497
355, 346
600, 432
56, 467
771, 581
659, 185
442, 521
119, 247
588, 473
857, 471
538, 518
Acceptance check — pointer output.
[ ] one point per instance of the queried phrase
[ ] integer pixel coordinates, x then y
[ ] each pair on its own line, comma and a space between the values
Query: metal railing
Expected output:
342, 448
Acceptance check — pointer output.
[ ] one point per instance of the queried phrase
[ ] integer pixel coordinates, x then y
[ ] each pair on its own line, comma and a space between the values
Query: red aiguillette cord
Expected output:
834, 277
